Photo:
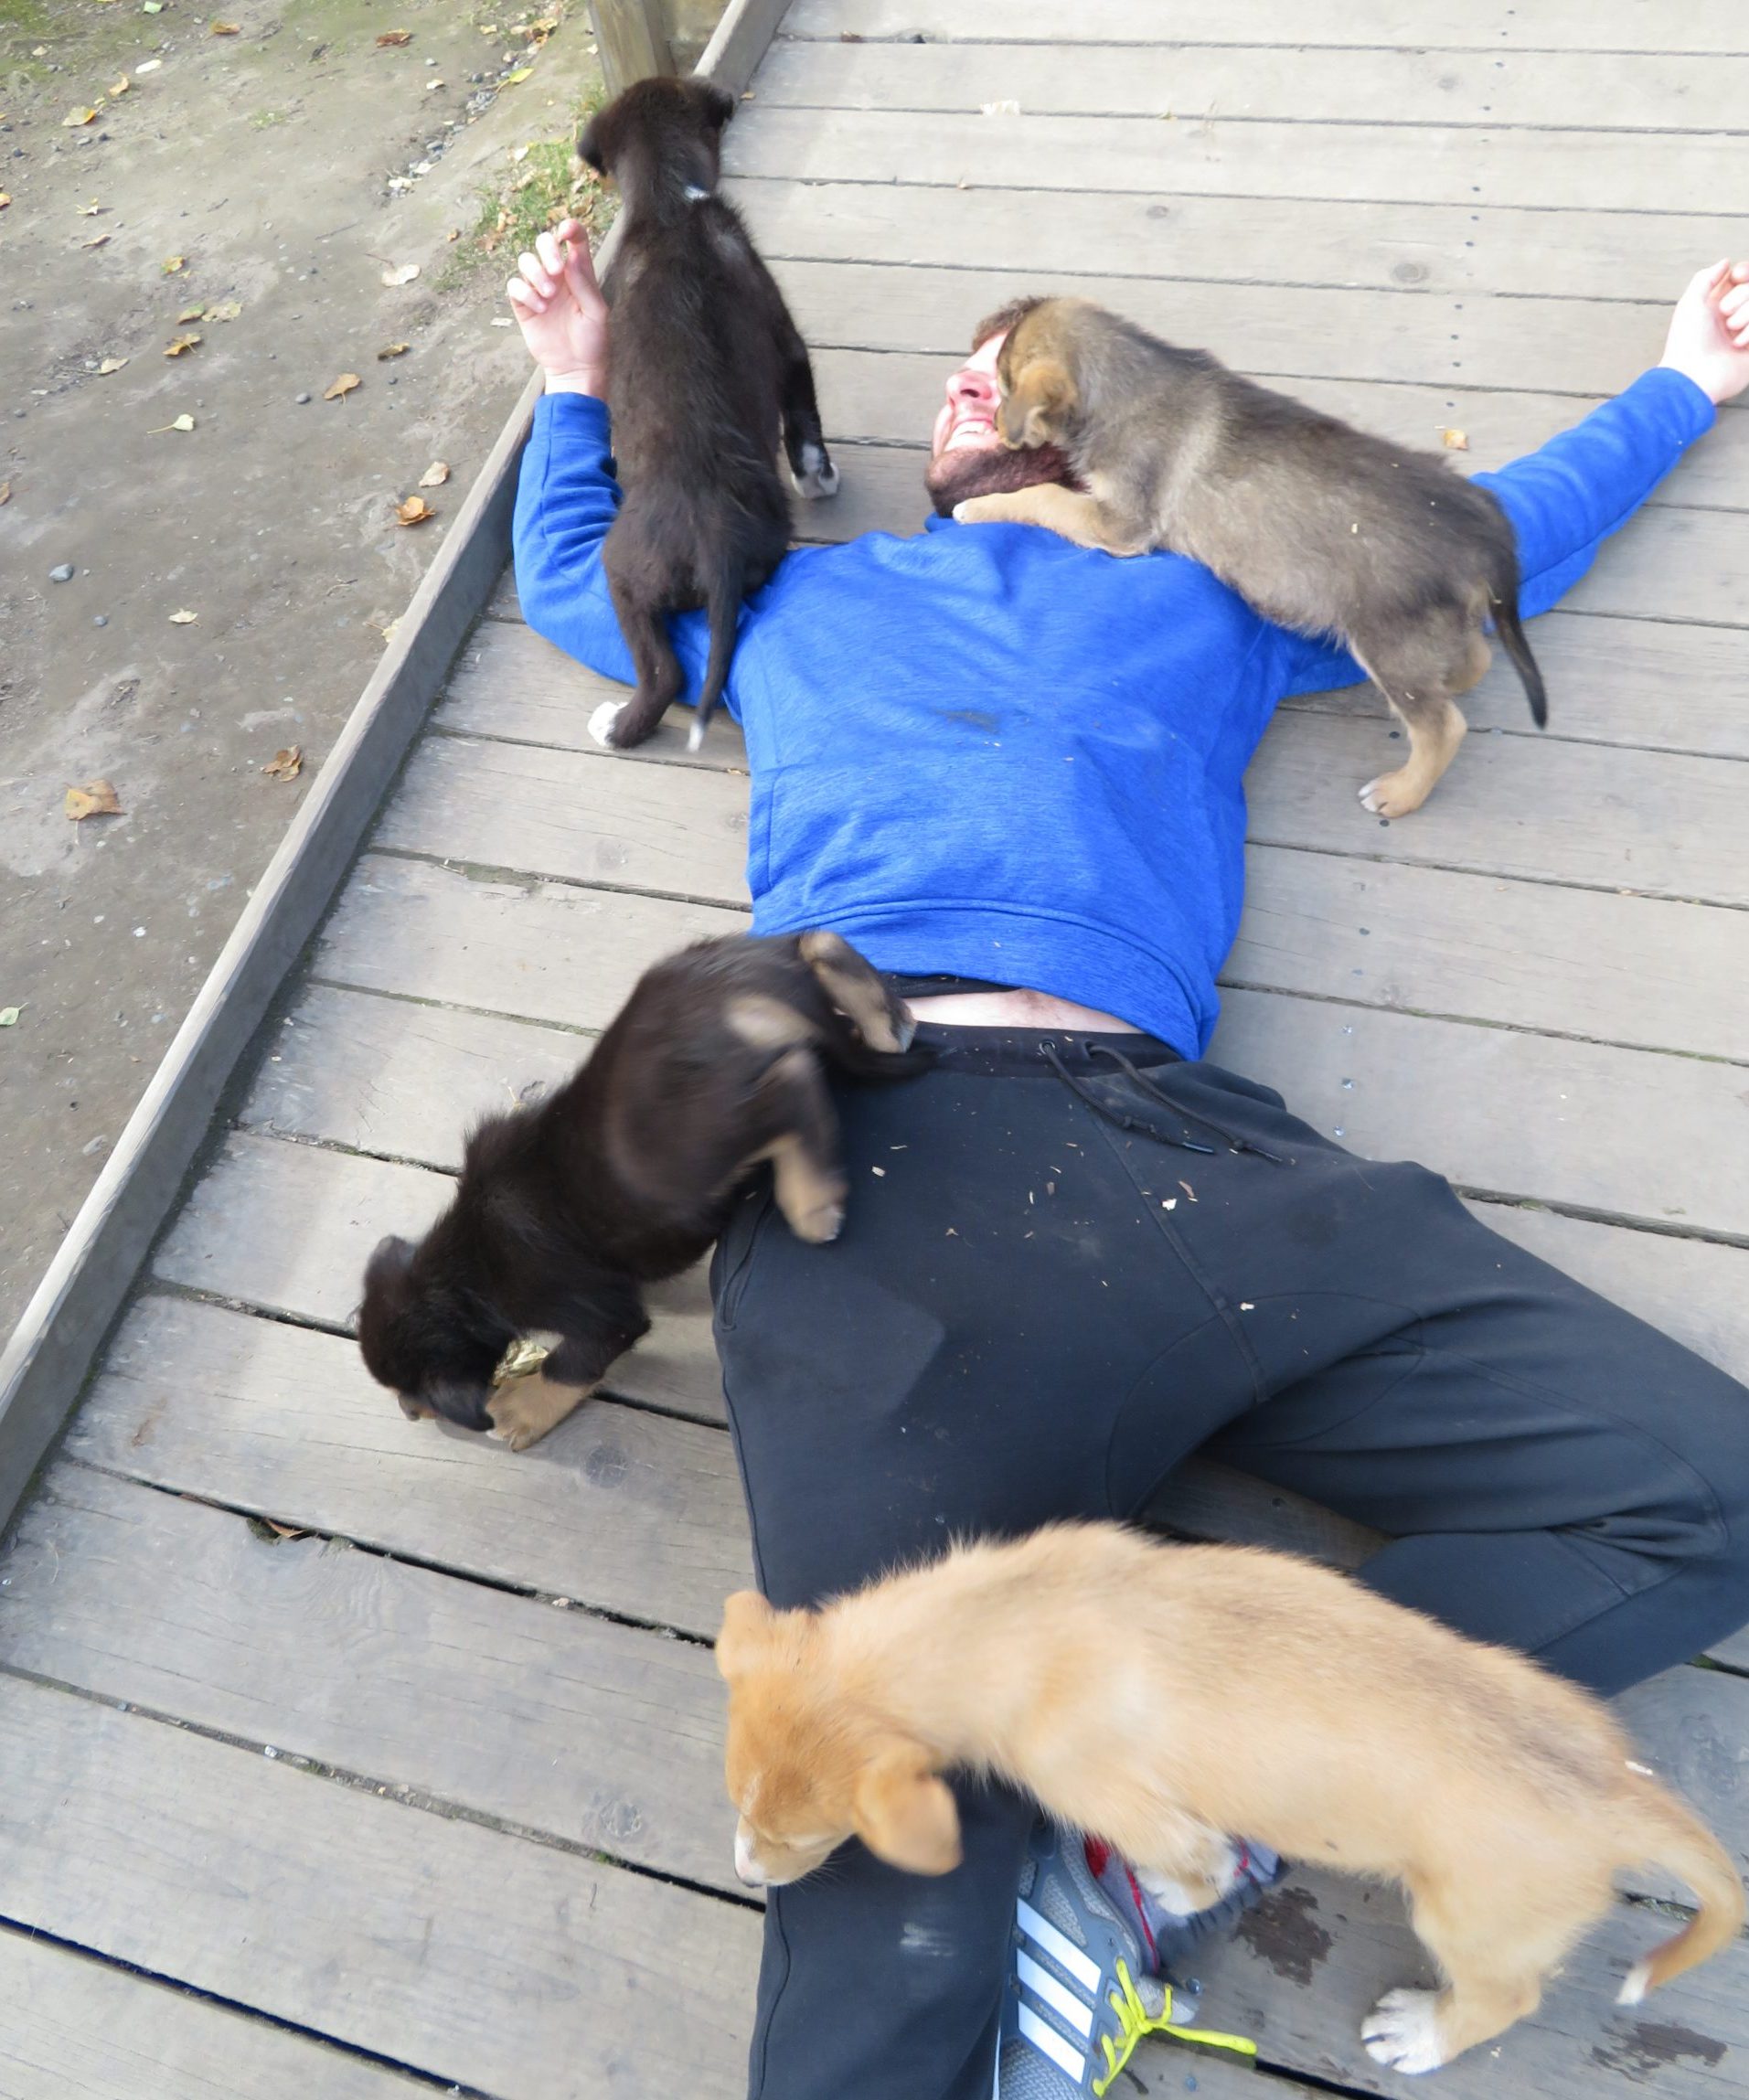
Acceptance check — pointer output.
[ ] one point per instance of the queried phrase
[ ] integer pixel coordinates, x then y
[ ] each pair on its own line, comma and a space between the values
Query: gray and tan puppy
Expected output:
1322, 528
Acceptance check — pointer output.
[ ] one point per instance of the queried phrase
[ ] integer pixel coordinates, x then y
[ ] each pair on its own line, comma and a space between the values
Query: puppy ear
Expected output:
391, 1259
715, 104
1034, 411
591, 144
746, 1617
904, 1813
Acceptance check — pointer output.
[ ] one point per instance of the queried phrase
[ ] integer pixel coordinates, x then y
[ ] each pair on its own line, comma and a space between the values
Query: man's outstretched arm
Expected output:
566, 495
1566, 498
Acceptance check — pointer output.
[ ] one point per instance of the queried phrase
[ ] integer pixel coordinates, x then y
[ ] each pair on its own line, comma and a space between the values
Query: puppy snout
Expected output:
747, 1869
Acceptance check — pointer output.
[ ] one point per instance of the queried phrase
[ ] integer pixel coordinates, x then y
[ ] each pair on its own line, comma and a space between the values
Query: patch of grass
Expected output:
537, 191
265, 120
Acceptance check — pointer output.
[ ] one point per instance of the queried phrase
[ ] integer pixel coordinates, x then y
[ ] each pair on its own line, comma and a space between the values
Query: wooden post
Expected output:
633, 40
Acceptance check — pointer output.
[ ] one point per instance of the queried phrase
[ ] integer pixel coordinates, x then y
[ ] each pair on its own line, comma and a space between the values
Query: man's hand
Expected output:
560, 309
1709, 337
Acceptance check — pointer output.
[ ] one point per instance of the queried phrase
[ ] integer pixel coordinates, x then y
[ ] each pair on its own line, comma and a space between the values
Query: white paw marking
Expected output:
1184, 1900
1383, 798
818, 477
695, 734
1402, 2031
601, 723
1635, 1984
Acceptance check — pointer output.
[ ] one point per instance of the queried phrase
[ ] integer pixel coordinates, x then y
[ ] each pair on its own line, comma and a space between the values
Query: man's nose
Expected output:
969, 386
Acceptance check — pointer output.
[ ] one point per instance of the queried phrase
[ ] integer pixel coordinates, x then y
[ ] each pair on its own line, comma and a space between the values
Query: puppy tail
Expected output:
1680, 1841
723, 604
1510, 630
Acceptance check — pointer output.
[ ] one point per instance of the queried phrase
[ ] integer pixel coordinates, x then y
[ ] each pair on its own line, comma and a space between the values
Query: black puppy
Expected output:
625, 1175
705, 364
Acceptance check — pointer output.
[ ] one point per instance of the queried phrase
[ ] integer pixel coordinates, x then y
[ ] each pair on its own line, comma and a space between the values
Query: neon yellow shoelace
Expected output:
1134, 2022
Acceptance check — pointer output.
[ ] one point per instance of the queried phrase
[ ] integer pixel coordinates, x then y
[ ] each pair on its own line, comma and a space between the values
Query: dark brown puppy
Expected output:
625, 1175
705, 365
1322, 528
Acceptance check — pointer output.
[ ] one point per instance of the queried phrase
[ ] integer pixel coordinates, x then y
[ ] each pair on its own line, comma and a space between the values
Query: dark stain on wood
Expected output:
1643, 2049
1283, 1931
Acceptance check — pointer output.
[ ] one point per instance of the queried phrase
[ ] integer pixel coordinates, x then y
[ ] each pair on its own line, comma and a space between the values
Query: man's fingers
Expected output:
551, 261
526, 298
531, 268
572, 237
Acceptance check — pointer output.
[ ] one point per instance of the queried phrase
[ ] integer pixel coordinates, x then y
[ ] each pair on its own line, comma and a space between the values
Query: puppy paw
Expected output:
1186, 1895
524, 1409
818, 477
1402, 2031
601, 723
819, 1223
1392, 794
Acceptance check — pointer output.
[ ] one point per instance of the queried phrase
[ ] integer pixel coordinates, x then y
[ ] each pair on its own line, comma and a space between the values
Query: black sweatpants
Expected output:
1054, 1282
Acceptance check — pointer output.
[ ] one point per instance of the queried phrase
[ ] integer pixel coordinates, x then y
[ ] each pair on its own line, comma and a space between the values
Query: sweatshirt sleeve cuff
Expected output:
579, 418
1675, 399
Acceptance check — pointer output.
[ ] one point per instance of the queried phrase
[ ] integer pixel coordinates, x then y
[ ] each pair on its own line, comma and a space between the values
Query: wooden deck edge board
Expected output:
60, 1334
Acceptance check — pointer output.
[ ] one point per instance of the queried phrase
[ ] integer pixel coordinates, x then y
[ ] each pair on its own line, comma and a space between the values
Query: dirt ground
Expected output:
287, 165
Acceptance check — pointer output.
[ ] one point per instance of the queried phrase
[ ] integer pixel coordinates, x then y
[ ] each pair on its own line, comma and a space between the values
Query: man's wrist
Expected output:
586, 380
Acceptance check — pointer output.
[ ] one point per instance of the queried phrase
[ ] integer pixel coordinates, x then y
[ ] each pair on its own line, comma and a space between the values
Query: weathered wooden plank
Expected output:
1655, 1139
890, 396
1633, 970
680, 830
76, 2028
1229, 83
1436, 248
399, 1079
288, 1228
549, 951
1311, 1961
1550, 25
629, 1512
1565, 170
1564, 345
561, 1722
1613, 679
1658, 823
533, 1973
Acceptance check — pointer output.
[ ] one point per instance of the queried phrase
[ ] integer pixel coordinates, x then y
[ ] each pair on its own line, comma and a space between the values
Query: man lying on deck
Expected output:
1011, 771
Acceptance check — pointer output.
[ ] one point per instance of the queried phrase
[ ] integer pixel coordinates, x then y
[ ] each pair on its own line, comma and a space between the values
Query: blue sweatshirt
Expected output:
986, 752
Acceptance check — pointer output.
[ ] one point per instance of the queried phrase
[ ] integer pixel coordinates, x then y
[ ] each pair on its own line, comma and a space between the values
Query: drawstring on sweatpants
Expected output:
1185, 1143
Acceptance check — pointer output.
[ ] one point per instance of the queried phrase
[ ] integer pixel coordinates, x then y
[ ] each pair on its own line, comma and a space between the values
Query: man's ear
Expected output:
1034, 409
746, 1618
904, 1813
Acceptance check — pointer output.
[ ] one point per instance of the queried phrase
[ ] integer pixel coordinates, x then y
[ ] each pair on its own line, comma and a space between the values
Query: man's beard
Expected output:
991, 470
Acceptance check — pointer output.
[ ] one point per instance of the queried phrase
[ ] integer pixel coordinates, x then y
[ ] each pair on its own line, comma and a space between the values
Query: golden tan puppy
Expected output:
1322, 528
1162, 1696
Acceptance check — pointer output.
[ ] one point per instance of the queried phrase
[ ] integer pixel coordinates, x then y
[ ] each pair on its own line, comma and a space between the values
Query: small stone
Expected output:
100, 620
94, 1147
63, 573
303, 399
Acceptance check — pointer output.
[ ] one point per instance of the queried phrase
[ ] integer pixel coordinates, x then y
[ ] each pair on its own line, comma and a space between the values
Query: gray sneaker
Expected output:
1083, 1989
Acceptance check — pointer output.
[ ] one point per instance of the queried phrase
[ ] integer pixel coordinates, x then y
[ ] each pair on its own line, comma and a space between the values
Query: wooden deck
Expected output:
344, 1756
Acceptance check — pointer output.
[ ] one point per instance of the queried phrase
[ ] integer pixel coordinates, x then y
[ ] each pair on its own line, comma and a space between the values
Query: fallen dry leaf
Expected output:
76, 117
173, 263
184, 618
414, 511
400, 273
223, 28
285, 764
191, 313
97, 798
88, 210
176, 347
521, 73
1455, 440
97, 241
389, 632
147, 66
225, 310
109, 365
283, 1530
5, 200
392, 39
343, 385
5, 493
183, 423
9, 1017
435, 476
392, 350
121, 88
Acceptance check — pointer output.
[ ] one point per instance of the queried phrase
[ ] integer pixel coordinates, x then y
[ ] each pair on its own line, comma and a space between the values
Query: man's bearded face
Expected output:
967, 457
